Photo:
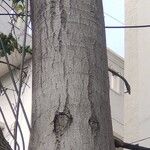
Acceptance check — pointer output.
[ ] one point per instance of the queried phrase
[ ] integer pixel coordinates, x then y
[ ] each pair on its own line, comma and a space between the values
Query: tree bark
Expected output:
71, 109
4, 145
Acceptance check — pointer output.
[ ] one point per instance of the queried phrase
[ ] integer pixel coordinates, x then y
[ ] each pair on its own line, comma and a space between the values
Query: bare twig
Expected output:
9, 102
8, 127
12, 28
13, 66
15, 11
21, 68
13, 14
14, 84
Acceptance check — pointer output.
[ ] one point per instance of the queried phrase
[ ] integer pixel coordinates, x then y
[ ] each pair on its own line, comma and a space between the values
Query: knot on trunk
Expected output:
94, 124
62, 122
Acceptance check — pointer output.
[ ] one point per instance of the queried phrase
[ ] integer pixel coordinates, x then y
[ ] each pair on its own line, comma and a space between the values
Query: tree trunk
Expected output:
4, 145
71, 109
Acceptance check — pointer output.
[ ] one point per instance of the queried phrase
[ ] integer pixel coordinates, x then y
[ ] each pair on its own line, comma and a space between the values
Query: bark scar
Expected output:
62, 122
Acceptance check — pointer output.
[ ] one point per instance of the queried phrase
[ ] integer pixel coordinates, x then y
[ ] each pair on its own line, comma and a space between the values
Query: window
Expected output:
114, 83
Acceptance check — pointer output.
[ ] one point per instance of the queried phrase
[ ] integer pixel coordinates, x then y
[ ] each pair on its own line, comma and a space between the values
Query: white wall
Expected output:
26, 97
116, 63
137, 72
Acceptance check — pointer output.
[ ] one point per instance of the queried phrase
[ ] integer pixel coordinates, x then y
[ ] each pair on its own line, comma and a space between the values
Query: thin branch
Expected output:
3, 62
12, 28
8, 127
125, 81
13, 14
15, 11
14, 84
11, 20
6, 11
13, 66
21, 69
9, 102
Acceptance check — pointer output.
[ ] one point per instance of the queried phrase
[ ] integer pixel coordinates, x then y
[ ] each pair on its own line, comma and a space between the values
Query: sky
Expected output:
114, 16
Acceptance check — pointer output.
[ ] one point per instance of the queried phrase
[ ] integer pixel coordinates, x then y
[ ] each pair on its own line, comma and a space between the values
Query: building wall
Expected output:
137, 53
4, 25
116, 63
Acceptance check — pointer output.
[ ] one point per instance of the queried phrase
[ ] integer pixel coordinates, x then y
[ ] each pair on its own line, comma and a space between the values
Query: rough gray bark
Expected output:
71, 109
4, 145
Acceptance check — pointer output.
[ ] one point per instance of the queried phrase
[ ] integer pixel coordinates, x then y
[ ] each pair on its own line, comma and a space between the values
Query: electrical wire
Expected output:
128, 26
124, 26
107, 27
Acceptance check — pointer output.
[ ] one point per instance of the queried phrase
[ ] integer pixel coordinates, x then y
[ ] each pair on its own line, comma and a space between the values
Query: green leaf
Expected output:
17, 1
10, 45
19, 8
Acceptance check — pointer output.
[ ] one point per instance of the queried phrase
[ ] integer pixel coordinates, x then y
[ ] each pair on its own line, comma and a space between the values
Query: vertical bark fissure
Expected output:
93, 121
46, 24
63, 14
62, 120
52, 13
63, 21
60, 41
41, 64
64, 70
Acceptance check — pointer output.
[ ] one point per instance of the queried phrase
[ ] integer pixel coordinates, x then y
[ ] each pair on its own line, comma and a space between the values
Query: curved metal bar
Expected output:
125, 81
119, 143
